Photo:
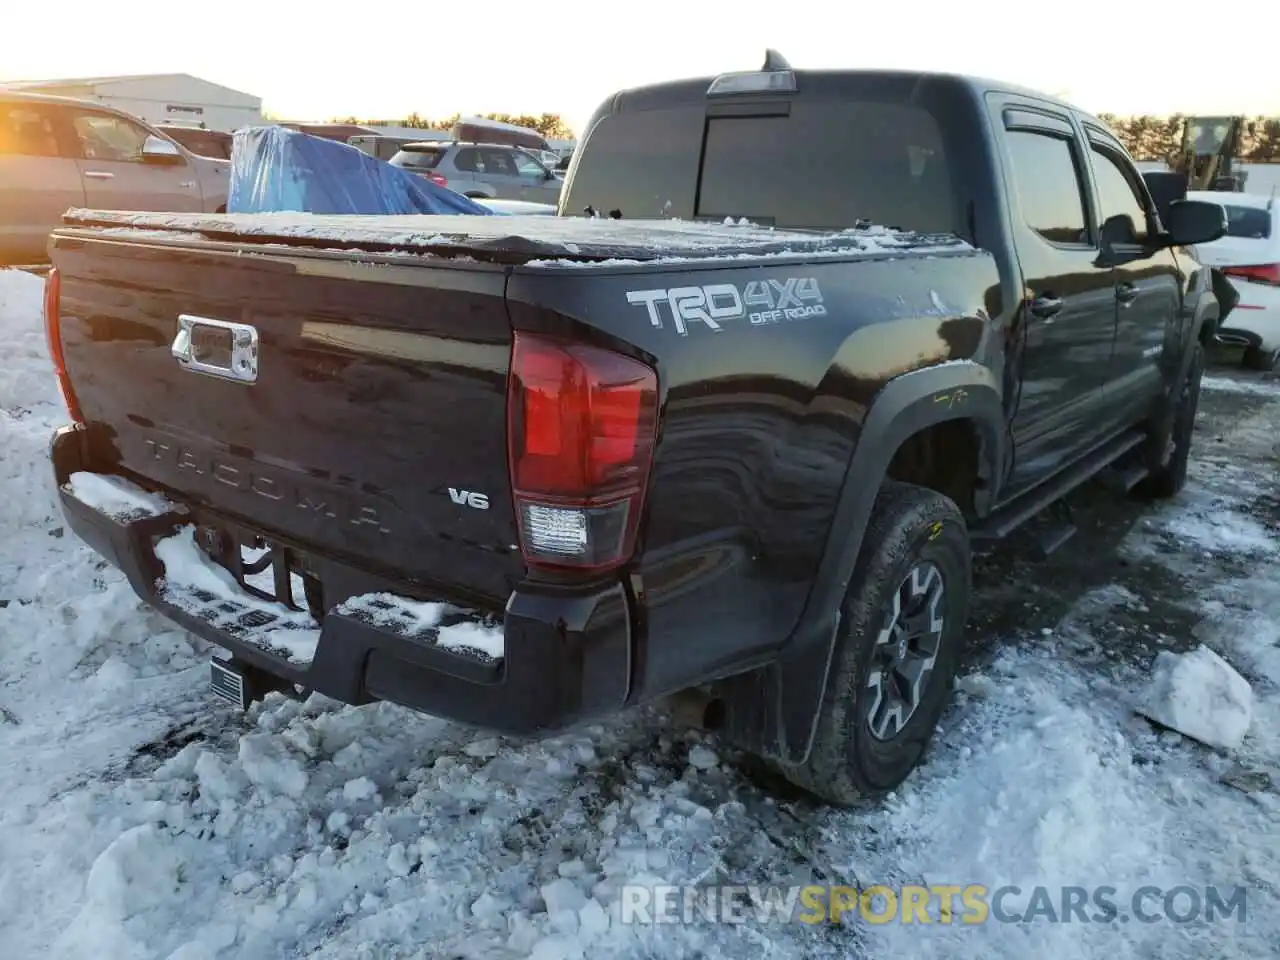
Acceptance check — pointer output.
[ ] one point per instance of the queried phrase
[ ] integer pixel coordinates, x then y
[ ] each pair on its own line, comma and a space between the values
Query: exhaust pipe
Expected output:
696, 708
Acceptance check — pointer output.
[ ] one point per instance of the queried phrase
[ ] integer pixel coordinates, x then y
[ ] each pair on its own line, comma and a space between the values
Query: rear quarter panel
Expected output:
761, 414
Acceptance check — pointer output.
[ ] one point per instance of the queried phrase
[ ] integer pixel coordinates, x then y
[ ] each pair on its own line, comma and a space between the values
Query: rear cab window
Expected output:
1046, 179
837, 152
418, 158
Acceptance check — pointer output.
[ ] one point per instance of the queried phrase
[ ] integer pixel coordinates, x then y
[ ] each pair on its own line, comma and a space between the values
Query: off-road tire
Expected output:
1168, 480
1255, 358
911, 527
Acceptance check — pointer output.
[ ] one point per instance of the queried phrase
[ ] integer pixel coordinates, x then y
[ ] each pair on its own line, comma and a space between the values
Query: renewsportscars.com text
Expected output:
965, 904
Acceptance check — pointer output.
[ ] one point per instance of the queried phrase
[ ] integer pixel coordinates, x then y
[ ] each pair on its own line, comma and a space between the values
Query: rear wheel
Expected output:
902, 626
1255, 358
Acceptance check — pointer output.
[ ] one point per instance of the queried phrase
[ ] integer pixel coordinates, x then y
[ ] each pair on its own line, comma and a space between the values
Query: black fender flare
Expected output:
1207, 311
783, 700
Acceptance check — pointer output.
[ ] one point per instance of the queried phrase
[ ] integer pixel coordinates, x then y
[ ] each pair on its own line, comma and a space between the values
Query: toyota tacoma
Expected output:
726, 430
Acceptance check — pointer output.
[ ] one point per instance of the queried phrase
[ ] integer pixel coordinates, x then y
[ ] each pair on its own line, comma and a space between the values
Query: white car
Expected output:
1250, 257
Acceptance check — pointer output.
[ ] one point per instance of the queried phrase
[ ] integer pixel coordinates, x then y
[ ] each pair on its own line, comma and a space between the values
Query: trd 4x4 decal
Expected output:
759, 302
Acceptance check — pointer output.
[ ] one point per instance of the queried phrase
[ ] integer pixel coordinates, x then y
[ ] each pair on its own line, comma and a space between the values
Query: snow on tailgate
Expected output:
536, 236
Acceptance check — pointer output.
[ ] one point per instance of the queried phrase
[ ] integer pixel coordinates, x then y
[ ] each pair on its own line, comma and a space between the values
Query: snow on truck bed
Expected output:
527, 237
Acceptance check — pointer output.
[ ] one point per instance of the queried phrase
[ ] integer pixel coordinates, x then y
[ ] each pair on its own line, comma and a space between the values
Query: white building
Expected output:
176, 98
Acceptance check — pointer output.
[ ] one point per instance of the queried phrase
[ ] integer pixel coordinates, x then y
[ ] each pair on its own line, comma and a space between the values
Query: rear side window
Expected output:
1047, 182
427, 159
643, 164
1250, 223
496, 162
27, 131
468, 159
829, 166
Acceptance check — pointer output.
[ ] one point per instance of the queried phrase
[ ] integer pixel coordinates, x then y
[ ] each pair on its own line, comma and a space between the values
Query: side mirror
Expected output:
159, 150
1195, 221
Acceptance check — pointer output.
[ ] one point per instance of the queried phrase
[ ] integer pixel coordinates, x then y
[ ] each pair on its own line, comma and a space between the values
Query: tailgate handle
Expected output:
217, 348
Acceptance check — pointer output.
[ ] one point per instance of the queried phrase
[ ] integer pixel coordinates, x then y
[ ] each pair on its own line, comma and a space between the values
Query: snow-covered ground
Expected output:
141, 819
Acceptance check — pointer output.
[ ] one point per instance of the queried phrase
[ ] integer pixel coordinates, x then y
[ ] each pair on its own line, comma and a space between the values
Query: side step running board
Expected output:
1130, 478
1055, 537
1008, 518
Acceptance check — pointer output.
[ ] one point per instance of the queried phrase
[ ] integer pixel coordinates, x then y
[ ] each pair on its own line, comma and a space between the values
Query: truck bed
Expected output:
515, 239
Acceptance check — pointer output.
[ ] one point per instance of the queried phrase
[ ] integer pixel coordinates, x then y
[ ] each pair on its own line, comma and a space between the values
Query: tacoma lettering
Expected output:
323, 505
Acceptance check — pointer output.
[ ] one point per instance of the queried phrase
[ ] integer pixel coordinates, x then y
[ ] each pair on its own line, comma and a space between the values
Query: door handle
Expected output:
1045, 306
1127, 292
99, 175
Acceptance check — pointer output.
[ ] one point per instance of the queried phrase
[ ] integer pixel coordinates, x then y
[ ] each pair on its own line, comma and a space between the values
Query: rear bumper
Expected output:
1250, 327
567, 657
1255, 321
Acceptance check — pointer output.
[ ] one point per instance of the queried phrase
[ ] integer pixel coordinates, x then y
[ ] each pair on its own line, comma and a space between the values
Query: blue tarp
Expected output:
277, 169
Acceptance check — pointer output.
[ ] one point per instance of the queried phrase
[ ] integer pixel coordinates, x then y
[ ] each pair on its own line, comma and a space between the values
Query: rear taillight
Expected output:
1261, 273
53, 332
581, 428
437, 179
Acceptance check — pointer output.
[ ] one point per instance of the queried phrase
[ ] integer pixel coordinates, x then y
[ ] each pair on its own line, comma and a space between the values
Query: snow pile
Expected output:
115, 496
1257, 388
26, 380
1199, 695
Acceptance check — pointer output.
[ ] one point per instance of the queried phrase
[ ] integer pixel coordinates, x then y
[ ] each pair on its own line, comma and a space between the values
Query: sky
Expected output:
315, 61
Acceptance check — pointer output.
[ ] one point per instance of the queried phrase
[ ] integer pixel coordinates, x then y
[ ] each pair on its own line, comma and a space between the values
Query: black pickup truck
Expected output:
729, 437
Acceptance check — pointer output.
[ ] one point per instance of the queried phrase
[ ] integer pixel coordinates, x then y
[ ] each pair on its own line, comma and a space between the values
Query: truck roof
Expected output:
822, 83
22, 96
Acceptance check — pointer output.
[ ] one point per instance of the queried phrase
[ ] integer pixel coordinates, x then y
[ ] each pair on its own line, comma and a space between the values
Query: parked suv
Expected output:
482, 170
57, 153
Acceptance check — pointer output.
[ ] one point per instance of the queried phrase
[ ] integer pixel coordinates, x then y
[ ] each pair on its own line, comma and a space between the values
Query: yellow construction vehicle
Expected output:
1210, 149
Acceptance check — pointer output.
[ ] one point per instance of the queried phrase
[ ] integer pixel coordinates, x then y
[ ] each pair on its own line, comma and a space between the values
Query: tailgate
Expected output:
353, 409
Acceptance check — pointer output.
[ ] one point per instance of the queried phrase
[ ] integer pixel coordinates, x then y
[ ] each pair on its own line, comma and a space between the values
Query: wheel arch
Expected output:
774, 710
1207, 315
